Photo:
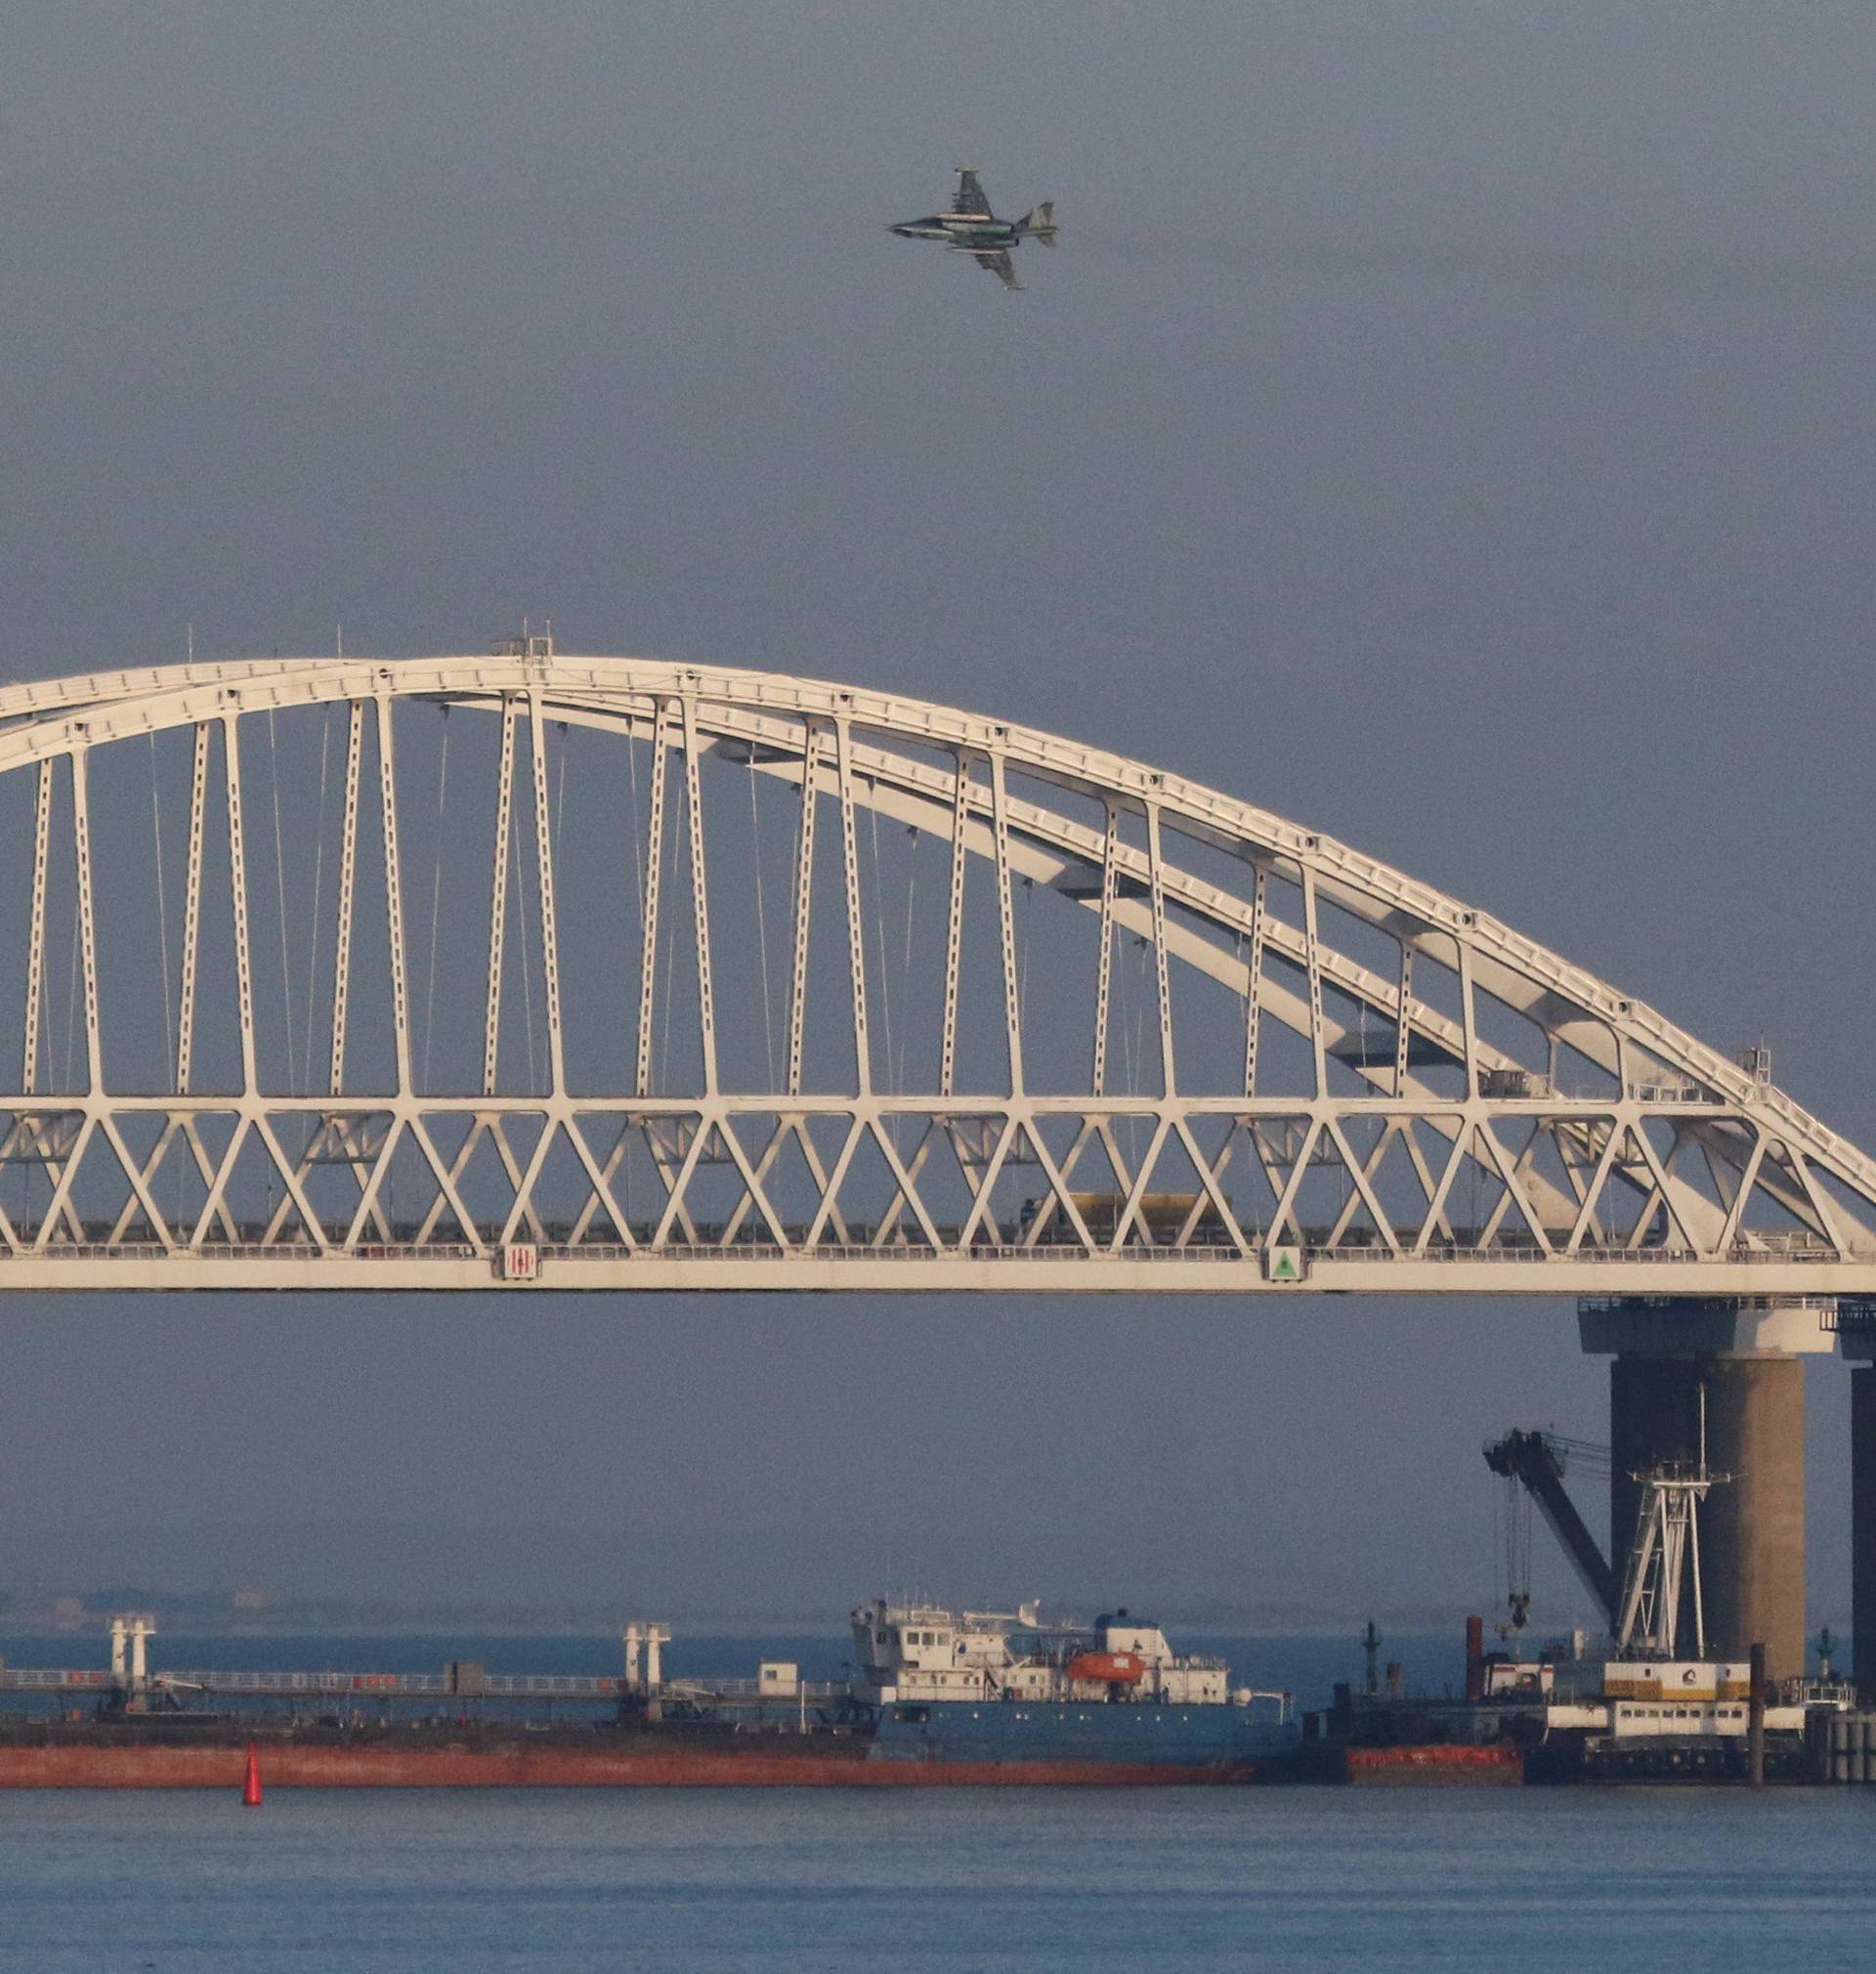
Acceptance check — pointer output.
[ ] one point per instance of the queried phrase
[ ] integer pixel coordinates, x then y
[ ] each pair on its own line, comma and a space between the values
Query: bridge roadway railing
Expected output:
1508, 1266
1205, 1243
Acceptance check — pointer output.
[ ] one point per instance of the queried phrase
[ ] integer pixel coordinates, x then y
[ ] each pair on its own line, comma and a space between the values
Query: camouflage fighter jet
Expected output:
971, 228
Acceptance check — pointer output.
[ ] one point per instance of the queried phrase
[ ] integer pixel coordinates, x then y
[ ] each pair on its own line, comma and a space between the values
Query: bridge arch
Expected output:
1224, 1052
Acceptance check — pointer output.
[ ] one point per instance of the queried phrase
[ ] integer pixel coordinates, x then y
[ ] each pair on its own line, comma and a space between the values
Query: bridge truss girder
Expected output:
1424, 1157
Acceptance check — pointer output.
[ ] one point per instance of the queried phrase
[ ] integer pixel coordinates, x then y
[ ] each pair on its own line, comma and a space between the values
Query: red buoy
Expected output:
251, 1786
1117, 1668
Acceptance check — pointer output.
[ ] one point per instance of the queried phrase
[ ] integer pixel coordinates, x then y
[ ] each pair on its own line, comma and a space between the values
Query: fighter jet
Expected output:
971, 228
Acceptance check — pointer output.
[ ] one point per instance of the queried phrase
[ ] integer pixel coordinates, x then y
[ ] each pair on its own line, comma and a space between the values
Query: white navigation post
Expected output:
633, 1638
141, 1630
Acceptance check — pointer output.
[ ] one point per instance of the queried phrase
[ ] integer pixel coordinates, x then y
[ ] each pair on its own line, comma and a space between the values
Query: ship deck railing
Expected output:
360, 1685
749, 1689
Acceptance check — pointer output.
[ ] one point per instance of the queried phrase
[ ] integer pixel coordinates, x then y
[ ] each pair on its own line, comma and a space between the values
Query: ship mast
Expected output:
1666, 1553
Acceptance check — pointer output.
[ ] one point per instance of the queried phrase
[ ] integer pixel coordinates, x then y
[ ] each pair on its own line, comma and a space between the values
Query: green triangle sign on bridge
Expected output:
1286, 1266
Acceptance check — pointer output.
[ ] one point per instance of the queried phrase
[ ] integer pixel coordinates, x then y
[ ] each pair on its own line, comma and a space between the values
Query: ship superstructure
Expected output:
979, 1694
915, 1651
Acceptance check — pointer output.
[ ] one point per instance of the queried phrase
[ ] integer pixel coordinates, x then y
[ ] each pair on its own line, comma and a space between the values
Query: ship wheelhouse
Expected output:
921, 1653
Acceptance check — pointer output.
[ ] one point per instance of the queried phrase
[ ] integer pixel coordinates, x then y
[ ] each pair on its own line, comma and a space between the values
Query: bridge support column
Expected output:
1863, 1527
1742, 1364
1857, 1337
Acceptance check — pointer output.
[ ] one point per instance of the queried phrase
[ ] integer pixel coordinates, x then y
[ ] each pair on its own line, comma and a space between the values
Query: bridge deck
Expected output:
1064, 1269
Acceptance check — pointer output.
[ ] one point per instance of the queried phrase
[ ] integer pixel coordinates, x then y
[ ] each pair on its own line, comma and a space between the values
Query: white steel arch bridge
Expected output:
614, 973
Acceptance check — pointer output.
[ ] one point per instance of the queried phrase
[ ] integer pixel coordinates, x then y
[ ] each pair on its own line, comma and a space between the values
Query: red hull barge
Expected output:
1435, 1763
287, 1766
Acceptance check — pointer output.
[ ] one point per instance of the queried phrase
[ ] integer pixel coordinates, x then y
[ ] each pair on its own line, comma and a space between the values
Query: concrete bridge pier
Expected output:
1862, 1524
1744, 1360
1857, 1337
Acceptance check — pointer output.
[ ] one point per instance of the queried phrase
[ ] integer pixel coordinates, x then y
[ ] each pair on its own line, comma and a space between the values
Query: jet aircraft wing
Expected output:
1001, 265
968, 200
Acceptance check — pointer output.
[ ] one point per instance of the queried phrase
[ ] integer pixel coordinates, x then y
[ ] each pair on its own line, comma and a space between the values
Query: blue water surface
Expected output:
391, 1881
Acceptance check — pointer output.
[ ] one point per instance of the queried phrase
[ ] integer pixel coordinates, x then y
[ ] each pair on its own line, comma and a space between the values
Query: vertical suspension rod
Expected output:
237, 891
87, 917
1104, 966
1006, 922
1156, 879
544, 877
498, 900
856, 931
1468, 1015
1312, 961
394, 889
36, 928
1403, 1024
803, 906
1253, 995
653, 890
699, 894
192, 909
348, 891
955, 923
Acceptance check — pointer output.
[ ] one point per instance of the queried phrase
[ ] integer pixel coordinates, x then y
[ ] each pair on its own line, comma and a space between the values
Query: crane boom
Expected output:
1535, 1461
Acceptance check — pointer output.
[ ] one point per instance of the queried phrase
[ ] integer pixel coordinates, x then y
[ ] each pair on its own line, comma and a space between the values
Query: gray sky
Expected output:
1448, 425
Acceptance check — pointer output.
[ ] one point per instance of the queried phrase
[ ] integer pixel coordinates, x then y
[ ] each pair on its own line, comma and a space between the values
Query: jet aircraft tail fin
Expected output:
1039, 222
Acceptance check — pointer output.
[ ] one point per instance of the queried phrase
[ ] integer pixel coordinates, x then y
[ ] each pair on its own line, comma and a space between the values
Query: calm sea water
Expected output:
395, 1882
399, 1882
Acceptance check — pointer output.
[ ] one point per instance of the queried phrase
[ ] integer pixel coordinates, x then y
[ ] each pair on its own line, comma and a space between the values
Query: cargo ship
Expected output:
999, 1696
935, 1697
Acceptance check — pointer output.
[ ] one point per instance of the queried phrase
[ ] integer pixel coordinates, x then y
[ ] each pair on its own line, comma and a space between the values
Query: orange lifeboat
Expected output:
1113, 1668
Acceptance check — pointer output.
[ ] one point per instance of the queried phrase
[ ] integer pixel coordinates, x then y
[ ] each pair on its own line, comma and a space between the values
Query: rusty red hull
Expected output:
285, 1766
1436, 1762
